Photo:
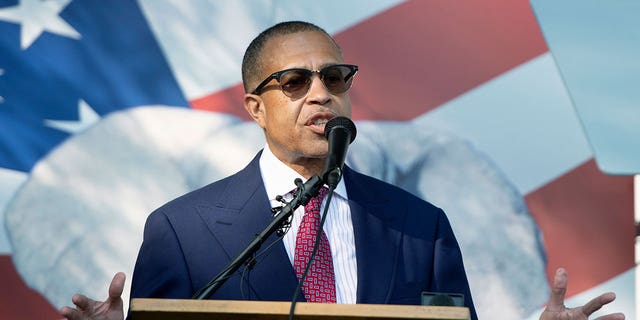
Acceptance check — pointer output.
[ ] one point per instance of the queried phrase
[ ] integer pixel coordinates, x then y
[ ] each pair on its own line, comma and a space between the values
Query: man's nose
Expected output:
318, 92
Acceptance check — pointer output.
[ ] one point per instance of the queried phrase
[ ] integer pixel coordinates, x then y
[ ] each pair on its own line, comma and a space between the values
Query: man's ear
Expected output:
255, 107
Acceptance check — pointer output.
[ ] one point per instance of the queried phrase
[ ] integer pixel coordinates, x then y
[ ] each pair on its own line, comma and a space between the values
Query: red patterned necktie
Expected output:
320, 283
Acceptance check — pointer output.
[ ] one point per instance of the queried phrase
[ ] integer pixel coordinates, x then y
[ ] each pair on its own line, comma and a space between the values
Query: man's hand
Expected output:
88, 309
557, 311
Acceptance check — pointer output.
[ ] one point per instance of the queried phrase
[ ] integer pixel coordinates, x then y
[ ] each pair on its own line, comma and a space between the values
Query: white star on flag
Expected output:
36, 16
87, 117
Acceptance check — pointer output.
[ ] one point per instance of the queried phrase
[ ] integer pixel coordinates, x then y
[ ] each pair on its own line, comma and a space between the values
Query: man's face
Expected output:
294, 128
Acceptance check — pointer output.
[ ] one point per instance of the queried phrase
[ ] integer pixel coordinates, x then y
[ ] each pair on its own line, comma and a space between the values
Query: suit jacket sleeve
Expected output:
449, 275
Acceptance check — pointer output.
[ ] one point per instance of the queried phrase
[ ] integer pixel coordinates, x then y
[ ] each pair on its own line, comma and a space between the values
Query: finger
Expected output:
613, 316
556, 300
70, 313
117, 286
596, 303
81, 301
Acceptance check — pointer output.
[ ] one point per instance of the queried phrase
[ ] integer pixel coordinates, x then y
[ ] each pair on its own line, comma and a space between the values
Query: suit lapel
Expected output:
242, 212
377, 225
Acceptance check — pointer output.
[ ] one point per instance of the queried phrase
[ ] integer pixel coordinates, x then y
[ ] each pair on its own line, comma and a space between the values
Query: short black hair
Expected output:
252, 60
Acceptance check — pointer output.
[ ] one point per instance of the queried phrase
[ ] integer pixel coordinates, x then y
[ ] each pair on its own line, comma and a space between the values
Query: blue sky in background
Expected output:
596, 48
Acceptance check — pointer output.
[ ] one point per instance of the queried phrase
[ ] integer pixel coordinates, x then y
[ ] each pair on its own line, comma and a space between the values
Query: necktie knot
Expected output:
314, 204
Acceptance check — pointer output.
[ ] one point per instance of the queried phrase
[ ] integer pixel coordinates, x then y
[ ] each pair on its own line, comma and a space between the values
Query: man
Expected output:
385, 245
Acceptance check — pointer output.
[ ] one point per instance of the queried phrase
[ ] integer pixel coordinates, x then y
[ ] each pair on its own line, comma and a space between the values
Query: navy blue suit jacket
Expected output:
404, 245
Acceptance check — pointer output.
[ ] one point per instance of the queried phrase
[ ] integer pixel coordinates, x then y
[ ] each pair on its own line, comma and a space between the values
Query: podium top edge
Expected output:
274, 309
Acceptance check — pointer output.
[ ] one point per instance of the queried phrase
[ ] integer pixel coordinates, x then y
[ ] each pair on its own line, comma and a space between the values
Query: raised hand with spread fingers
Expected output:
88, 309
556, 310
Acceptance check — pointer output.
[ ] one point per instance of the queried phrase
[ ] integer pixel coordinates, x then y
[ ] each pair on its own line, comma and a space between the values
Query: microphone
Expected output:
340, 132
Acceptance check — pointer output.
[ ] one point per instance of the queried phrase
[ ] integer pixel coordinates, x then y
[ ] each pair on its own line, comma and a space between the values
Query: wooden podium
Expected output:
171, 309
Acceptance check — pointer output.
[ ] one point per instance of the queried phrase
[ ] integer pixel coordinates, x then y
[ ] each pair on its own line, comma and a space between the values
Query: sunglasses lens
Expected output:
295, 83
337, 79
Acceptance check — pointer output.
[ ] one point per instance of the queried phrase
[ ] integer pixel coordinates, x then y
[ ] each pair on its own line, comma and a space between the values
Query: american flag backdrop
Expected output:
110, 108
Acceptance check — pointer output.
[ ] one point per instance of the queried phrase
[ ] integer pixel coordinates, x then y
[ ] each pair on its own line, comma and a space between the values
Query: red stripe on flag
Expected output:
421, 54
587, 221
17, 301
229, 100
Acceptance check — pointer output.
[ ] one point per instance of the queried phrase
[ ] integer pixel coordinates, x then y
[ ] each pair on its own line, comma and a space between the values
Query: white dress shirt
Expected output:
278, 180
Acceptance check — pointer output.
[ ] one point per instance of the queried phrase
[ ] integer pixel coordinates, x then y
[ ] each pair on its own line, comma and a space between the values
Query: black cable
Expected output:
250, 262
244, 275
253, 261
316, 245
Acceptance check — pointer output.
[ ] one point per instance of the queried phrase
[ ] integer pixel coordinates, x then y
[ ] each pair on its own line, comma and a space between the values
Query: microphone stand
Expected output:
304, 192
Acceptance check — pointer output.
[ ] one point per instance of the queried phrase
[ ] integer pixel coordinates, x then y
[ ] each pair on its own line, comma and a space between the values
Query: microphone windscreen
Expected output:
342, 122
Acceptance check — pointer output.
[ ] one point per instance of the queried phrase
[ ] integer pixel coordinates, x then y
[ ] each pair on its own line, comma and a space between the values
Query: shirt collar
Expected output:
278, 177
